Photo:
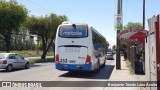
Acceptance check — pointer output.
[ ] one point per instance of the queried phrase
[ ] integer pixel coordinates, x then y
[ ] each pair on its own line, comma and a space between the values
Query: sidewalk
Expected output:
123, 75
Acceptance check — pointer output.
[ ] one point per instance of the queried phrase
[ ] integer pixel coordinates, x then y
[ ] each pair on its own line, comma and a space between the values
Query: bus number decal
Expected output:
63, 60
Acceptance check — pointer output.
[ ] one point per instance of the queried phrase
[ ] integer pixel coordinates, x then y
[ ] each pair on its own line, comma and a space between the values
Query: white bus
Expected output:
79, 47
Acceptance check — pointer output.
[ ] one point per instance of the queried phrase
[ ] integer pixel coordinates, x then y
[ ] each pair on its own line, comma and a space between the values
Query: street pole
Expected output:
144, 29
144, 14
118, 57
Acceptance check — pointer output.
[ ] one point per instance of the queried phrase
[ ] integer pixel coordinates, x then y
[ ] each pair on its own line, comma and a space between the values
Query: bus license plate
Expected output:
72, 61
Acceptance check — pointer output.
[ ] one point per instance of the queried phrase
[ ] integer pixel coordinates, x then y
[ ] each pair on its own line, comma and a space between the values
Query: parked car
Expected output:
114, 52
9, 61
110, 56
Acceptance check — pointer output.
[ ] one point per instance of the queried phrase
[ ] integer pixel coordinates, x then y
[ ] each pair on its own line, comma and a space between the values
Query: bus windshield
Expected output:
73, 31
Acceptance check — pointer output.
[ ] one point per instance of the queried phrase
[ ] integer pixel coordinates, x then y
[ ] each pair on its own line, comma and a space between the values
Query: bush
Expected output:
41, 60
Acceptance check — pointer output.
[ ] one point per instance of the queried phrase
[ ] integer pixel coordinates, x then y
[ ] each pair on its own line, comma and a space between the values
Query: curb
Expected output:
105, 88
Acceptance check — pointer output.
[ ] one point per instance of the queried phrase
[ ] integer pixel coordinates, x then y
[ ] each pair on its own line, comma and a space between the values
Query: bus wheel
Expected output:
104, 64
97, 69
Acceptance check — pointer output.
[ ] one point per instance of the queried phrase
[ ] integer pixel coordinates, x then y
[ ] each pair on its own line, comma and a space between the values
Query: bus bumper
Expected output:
74, 67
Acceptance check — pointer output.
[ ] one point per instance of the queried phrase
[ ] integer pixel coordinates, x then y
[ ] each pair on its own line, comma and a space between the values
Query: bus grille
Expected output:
72, 49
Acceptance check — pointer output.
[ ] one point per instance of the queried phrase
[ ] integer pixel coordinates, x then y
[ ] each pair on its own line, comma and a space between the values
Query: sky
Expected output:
98, 13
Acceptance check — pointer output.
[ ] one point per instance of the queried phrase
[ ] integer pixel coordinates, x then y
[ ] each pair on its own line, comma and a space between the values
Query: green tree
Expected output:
45, 28
107, 45
123, 46
133, 25
55, 22
12, 15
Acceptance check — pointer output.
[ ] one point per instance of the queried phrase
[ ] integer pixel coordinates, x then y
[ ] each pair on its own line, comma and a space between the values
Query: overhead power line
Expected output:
34, 6
126, 7
39, 6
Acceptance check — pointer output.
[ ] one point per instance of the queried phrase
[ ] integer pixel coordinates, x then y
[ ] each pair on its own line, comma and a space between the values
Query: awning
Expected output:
132, 36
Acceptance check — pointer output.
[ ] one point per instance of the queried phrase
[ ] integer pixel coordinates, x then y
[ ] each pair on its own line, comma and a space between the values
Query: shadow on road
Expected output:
14, 70
35, 65
104, 73
19, 69
110, 59
3, 71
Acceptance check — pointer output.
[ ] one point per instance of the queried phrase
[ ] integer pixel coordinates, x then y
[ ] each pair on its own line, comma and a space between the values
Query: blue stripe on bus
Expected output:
74, 67
99, 51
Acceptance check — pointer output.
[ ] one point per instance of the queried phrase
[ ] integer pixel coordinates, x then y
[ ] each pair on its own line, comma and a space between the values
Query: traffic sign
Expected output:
118, 22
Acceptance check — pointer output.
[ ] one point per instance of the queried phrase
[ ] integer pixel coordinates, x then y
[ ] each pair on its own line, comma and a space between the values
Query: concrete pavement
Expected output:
123, 75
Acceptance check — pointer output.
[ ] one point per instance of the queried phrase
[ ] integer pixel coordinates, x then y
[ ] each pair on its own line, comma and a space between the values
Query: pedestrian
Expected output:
125, 55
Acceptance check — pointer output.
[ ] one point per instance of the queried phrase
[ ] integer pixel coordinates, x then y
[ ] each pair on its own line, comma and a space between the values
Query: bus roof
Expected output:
67, 23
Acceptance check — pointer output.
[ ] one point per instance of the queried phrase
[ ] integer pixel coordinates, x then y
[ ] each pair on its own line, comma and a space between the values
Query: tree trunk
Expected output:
44, 43
8, 46
46, 46
53, 48
44, 54
8, 41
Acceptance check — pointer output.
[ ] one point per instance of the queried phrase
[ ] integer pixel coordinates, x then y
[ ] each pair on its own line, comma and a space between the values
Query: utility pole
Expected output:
144, 28
144, 14
118, 57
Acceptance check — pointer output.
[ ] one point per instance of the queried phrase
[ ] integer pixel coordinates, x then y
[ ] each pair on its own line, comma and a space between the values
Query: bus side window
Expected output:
94, 37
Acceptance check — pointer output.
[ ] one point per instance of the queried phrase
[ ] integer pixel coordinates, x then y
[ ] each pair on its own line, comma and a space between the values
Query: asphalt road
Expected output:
47, 72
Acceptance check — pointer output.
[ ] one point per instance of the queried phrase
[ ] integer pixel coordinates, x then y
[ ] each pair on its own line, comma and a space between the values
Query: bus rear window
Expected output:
73, 31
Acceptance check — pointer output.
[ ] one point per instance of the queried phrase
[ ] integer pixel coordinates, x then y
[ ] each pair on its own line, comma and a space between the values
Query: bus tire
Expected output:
98, 66
104, 64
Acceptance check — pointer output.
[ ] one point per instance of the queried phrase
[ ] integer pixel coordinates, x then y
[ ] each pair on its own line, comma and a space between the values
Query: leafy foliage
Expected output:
45, 28
12, 16
133, 25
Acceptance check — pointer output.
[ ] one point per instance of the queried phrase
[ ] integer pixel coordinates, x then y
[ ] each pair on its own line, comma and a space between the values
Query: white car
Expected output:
9, 61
